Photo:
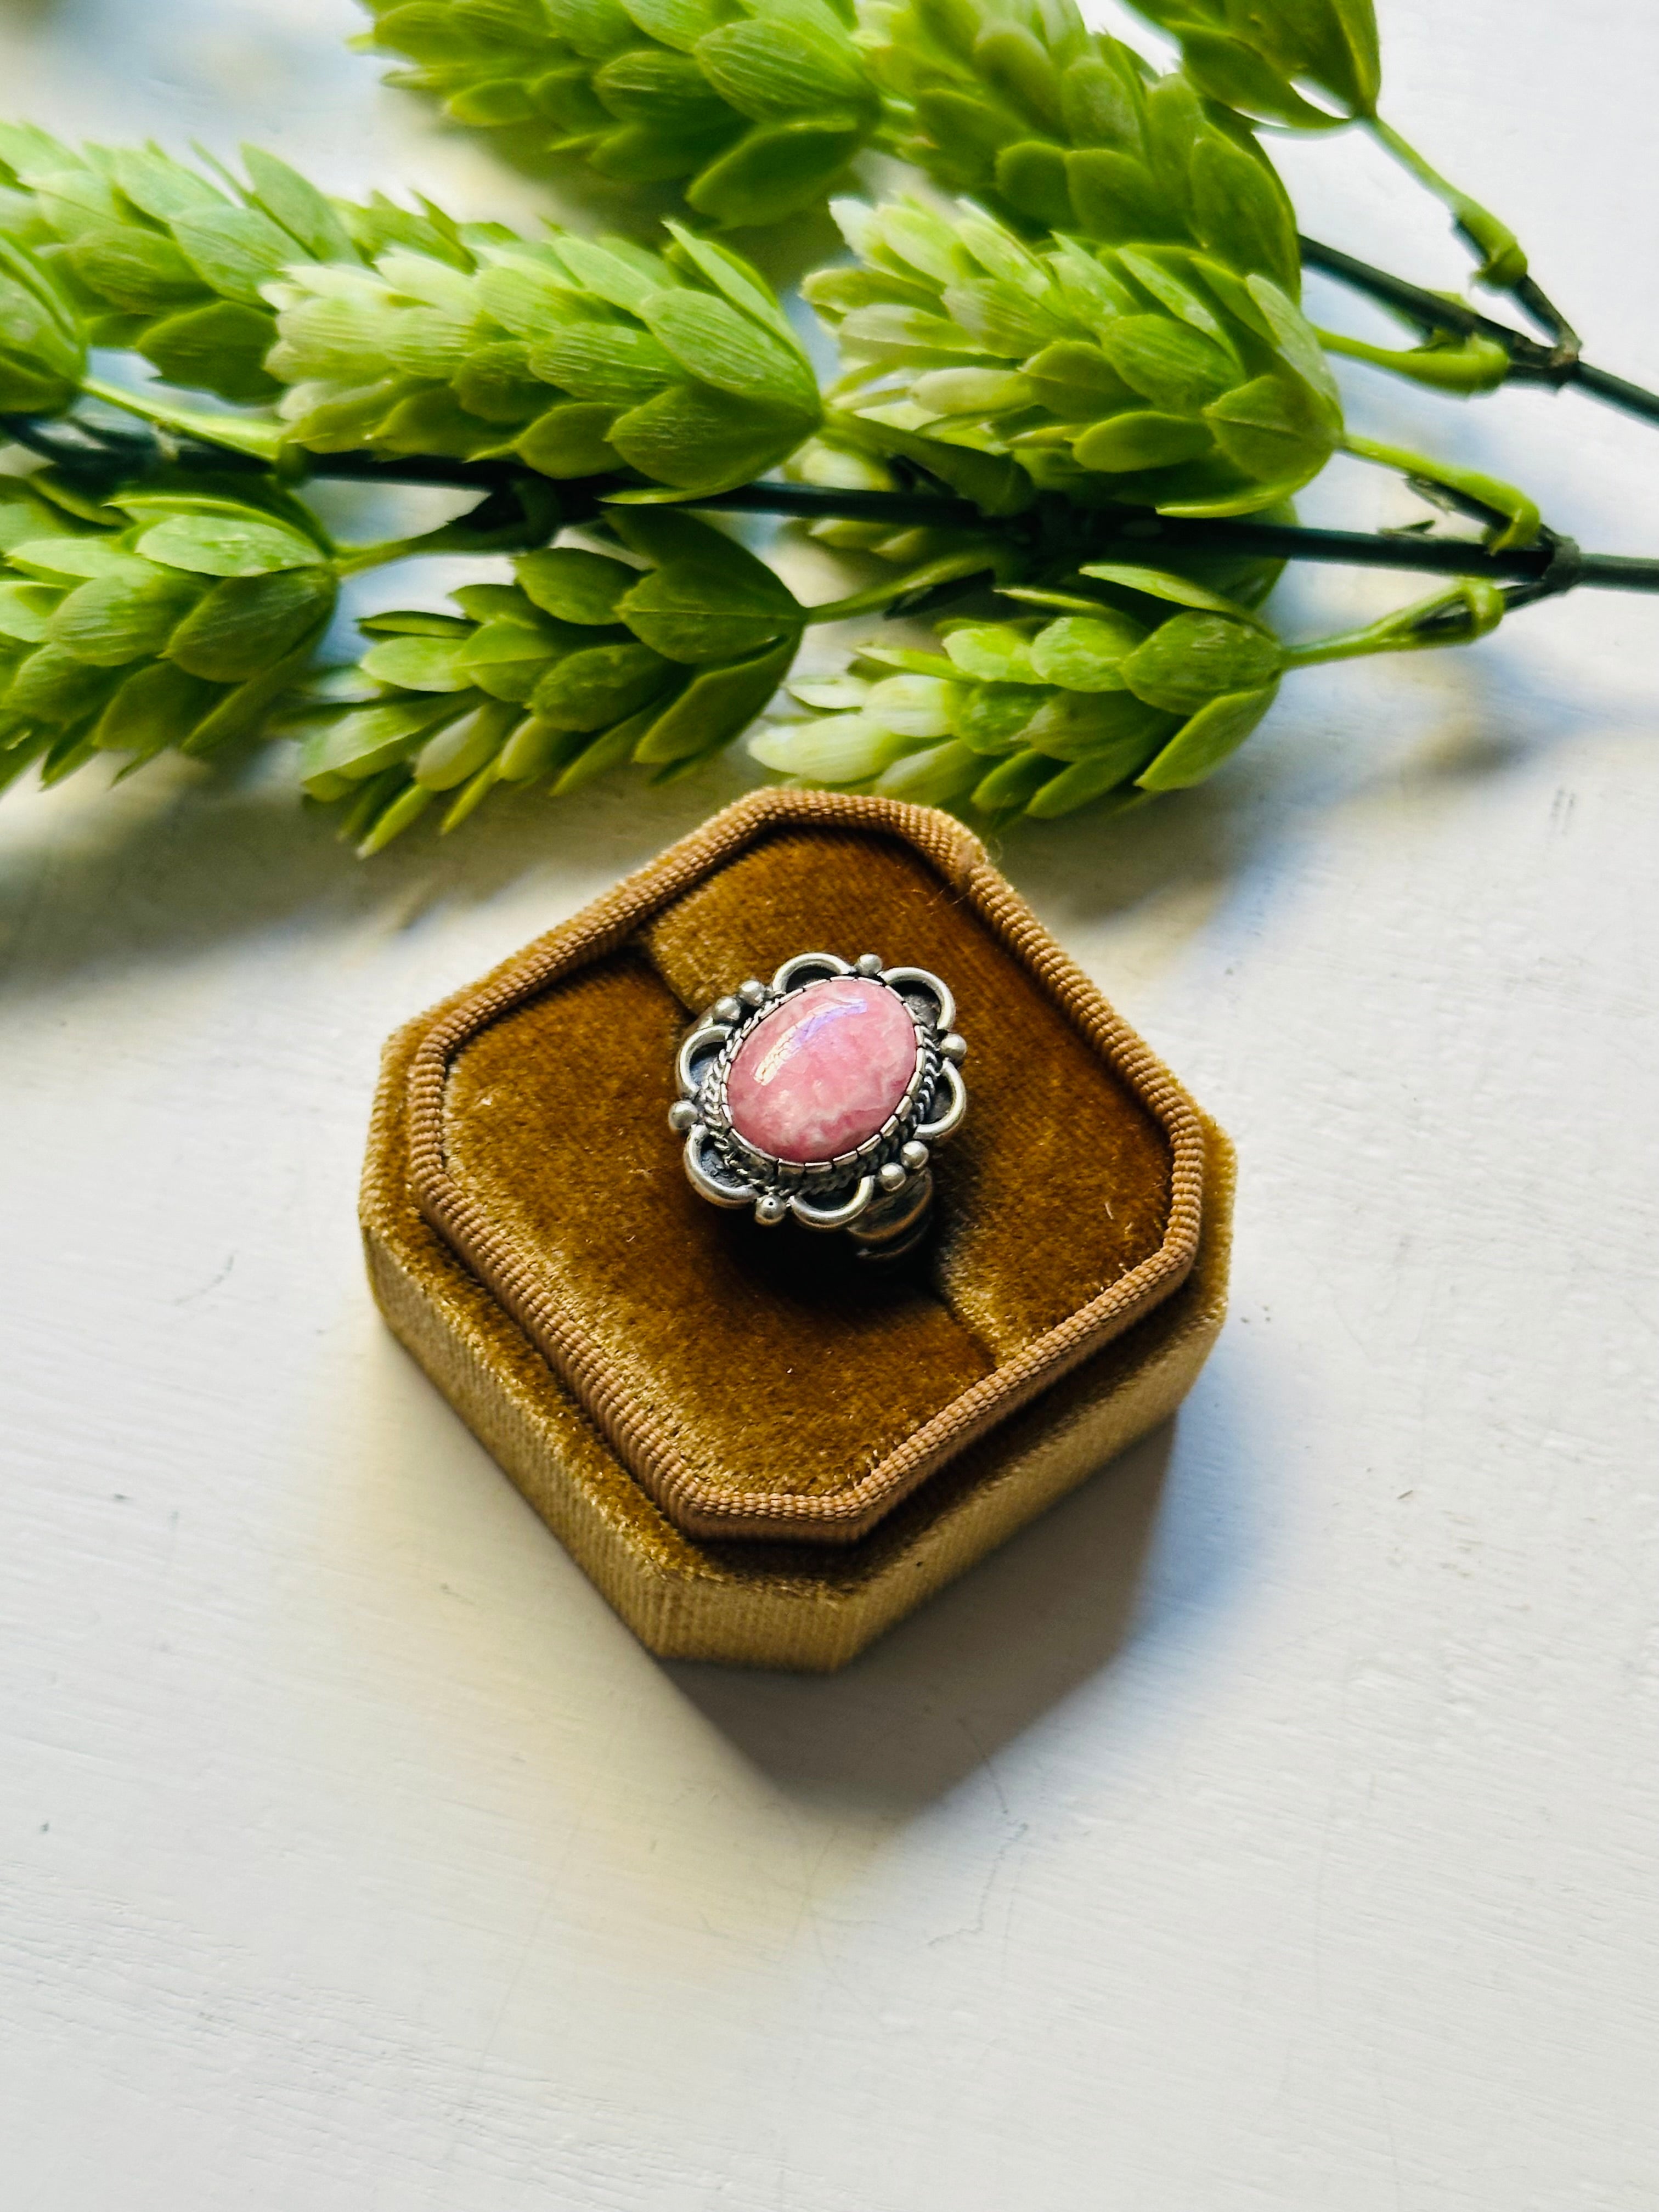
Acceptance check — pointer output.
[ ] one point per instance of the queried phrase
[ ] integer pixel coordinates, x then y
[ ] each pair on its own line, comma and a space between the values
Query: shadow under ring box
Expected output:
758, 1450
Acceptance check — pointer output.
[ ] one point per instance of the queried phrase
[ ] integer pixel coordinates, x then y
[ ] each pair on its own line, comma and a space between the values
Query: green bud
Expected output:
1057, 128
582, 358
69, 749
774, 170
157, 706
1194, 657
992, 652
220, 545
1252, 58
570, 440
1141, 439
174, 621
707, 599
439, 701
420, 664
915, 706
362, 743
599, 685
407, 334
993, 717
1104, 702
1465, 364
1503, 260
612, 748
455, 755
1013, 783
1216, 730
755, 113
221, 348
575, 586
413, 622
1092, 782
128, 616
832, 749
1079, 725
55, 688
942, 775
509, 658
411, 803
715, 707
538, 749
246, 624
1086, 653
26, 610
1171, 366
42, 355
471, 795
1168, 379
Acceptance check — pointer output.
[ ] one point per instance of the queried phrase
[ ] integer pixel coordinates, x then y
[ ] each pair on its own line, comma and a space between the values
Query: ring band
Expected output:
821, 1094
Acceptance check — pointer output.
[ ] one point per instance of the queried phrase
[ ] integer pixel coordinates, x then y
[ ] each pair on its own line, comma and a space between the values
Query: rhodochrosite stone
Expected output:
823, 1071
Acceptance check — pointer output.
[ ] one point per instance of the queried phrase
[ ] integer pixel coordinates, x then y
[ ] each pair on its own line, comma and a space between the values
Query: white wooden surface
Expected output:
1270, 1830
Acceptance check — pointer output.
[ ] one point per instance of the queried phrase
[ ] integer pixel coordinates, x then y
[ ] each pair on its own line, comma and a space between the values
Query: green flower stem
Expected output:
1476, 365
1530, 362
263, 441
360, 559
1513, 515
515, 517
1475, 610
1503, 262
875, 600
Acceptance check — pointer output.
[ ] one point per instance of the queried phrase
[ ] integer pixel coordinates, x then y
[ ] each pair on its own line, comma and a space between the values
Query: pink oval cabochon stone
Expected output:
823, 1071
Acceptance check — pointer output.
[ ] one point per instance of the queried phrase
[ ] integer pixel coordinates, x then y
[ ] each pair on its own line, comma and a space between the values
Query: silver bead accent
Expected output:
770, 1210
915, 1155
682, 1116
753, 992
892, 1177
868, 963
953, 1047
726, 1010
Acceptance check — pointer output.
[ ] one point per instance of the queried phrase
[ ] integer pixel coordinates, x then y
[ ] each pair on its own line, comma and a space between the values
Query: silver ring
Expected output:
821, 1095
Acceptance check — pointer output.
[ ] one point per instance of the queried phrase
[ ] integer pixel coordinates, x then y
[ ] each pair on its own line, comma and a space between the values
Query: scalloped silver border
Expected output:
881, 1190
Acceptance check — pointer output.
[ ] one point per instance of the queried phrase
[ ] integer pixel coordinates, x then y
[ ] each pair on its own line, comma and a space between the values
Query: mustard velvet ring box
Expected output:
760, 1451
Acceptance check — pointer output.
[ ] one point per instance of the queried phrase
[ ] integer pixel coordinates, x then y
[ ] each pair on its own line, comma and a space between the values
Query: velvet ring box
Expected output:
760, 1449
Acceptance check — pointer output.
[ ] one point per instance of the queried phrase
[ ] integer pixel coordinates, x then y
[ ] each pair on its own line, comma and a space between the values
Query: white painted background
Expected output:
1273, 1829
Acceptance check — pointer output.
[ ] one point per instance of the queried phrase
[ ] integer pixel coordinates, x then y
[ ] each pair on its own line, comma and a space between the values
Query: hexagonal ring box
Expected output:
760, 1451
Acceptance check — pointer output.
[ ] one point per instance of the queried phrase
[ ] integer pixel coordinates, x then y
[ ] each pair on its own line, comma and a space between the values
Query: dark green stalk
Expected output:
1145, 535
1616, 391
1056, 530
1530, 361
1536, 303
1430, 310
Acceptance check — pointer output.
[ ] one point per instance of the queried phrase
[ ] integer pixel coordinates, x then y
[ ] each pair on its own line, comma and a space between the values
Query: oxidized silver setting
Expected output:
881, 1192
